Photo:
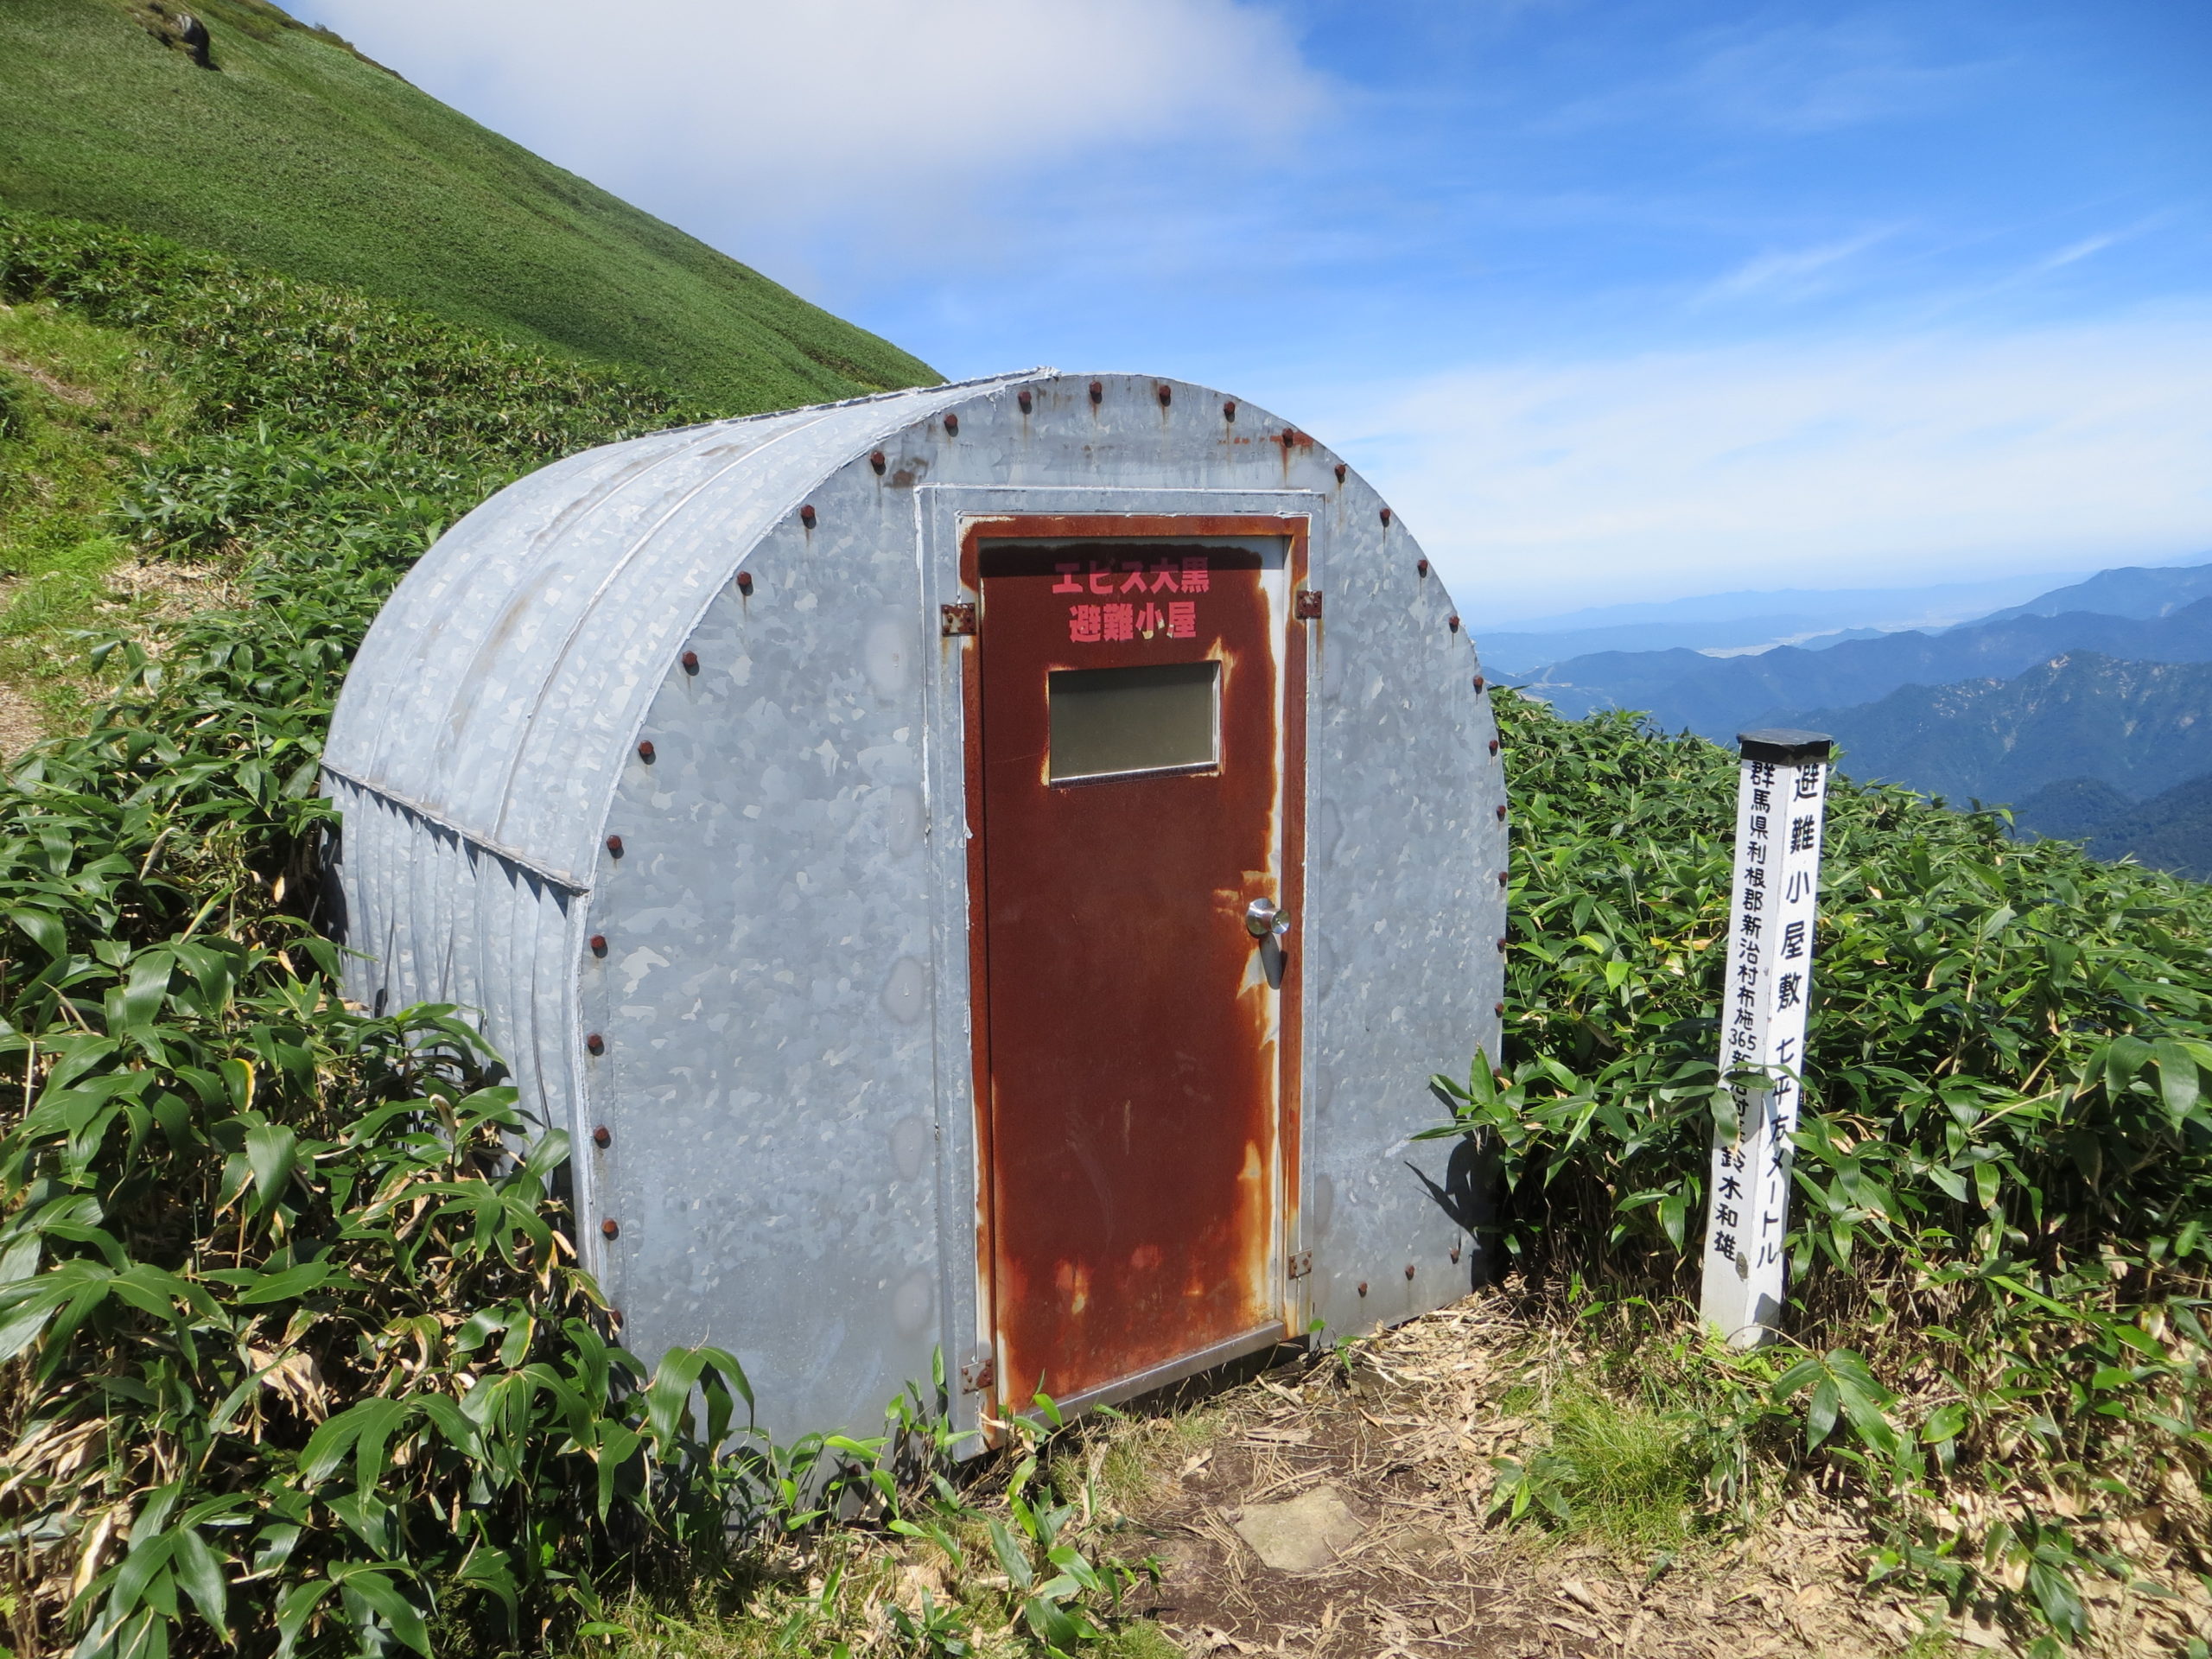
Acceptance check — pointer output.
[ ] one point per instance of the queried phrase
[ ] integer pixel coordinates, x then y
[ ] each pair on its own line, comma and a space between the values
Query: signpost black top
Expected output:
1785, 746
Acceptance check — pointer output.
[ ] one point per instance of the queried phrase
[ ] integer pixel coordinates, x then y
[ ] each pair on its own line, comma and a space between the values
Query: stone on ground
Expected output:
1303, 1536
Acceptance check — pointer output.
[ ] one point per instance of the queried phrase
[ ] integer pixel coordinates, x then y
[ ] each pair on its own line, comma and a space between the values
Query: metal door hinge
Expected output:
958, 619
1302, 1264
1308, 606
977, 1375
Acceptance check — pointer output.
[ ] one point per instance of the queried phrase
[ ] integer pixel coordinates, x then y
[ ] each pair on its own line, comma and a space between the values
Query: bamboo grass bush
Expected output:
302, 1362
2003, 1220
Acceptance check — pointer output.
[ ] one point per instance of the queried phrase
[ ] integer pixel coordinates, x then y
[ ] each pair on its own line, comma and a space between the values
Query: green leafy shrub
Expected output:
393, 1401
302, 1361
2004, 1169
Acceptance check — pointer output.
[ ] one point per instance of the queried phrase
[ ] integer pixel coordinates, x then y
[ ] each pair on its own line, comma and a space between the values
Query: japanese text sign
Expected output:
1781, 792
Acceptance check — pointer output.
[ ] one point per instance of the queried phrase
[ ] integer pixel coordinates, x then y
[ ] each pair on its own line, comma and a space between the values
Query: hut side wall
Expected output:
1404, 845
785, 1079
768, 1074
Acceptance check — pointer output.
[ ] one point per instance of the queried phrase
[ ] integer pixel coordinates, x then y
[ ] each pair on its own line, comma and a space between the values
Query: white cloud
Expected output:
1804, 77
758, 125
1791, 273
2073, 250
1797, 77
1869, 461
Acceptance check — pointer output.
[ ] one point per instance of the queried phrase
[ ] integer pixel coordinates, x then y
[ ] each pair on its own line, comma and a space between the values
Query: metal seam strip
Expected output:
430, 815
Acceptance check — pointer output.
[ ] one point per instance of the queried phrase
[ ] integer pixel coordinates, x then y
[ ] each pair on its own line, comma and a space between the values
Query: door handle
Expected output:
1263, 921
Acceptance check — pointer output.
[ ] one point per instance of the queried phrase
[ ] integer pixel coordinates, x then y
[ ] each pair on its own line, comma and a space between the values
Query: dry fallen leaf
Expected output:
1578, 1593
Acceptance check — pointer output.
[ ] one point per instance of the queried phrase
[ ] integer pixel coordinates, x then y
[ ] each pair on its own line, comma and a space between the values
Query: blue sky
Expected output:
1617, 300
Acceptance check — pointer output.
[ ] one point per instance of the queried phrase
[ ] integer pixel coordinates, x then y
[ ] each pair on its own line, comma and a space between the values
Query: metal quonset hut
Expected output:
989, 868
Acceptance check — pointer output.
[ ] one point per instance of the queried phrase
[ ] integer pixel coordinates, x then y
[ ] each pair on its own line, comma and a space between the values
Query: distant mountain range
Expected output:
2131, 591
1718, 697
1517, 654
1809, 616
2173, 830
2088, 708
2139, 728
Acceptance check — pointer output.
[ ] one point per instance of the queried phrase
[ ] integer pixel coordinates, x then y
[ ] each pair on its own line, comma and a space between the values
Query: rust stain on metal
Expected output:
876, 462
1137, 1072
1026, 401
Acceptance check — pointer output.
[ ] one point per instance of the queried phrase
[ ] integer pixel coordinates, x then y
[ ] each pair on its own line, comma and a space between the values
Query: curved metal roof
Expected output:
507, 670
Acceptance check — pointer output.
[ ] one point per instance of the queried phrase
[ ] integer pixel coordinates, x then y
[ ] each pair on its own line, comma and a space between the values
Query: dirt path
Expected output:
1403, 1441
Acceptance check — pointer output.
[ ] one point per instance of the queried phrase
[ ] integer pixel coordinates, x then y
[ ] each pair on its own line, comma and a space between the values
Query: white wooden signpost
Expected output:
1780, 793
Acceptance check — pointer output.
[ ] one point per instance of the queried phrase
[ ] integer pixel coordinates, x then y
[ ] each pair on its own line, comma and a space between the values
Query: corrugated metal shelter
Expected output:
988, 868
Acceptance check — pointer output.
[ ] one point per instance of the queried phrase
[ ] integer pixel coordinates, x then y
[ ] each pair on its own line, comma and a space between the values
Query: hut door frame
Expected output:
964, 518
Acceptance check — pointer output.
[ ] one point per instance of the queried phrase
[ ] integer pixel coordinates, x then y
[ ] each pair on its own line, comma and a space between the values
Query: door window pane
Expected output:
1157, 717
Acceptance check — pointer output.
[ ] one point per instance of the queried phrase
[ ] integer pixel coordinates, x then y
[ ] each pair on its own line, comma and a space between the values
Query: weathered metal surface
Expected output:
512, 667
1133, 1119
787, 1077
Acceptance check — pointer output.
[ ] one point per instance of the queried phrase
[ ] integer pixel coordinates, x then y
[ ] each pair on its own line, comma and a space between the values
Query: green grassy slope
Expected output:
295, 153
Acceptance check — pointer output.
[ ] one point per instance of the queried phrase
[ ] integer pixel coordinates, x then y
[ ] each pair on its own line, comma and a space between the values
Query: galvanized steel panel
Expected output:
787, 1082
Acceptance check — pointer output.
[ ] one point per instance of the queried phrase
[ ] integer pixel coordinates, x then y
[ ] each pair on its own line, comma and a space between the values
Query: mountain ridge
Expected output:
2139, 727
1716, 697
292, 152
2134, 590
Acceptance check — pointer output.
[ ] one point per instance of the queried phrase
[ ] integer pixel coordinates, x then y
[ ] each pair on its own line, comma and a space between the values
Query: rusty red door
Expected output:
1132, 705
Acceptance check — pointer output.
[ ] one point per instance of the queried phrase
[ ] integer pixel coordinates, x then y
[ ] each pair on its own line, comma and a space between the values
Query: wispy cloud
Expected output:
1808, 77
1859, 460
1801, 77
1792, 273
2082, 250
2089, 246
